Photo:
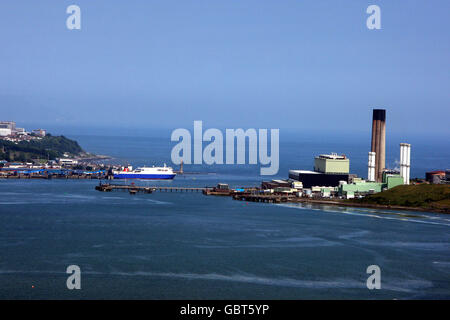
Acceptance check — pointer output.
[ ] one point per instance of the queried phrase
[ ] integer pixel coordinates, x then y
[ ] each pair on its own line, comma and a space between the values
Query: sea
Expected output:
191, 246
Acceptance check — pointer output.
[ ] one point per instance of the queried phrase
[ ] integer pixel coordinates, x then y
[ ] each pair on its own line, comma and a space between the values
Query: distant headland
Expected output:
37, 146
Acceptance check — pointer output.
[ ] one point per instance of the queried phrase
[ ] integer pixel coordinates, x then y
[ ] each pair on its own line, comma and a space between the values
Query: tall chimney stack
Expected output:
379, 141
371, 167
405, 161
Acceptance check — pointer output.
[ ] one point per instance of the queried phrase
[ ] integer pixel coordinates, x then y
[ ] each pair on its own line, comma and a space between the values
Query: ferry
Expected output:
159, 173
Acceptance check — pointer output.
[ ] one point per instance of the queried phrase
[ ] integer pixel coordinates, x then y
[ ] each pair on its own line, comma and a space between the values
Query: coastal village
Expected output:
76, 165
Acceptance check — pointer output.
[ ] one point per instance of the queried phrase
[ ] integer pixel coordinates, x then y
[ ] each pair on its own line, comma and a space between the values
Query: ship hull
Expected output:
144, 176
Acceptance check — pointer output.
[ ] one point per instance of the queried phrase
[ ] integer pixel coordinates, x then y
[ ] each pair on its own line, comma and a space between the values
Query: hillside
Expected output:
49, 147
425, 196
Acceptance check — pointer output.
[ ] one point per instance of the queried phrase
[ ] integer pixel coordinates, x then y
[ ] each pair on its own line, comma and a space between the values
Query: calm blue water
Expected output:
175, 246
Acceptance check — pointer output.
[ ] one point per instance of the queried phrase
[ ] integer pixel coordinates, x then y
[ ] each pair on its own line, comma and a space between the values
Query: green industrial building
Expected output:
390, 180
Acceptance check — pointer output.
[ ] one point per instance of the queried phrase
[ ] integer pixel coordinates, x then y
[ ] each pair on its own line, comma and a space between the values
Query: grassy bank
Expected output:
425, 196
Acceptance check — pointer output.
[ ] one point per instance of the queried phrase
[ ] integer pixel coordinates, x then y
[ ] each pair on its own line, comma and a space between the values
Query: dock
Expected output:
272, 198
53, 176
133, 189
219, 190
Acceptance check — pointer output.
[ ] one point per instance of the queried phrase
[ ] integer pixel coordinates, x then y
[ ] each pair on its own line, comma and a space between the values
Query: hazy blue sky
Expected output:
307, 64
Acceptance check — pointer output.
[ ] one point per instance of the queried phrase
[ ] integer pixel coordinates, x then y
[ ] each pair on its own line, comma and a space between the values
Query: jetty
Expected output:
133, 189
220, 190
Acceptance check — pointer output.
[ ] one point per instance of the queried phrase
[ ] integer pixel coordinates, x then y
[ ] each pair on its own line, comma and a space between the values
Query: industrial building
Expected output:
333, 170
332, 163
329, 169
390, 179
314, 178
436, 177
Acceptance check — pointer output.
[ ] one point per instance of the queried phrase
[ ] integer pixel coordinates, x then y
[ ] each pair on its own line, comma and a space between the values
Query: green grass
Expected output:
433, 196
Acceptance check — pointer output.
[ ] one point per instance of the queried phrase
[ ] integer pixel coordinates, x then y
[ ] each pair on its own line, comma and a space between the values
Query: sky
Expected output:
311, 65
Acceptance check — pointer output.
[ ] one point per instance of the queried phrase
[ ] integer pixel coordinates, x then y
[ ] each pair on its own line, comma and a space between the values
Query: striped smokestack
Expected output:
379, 141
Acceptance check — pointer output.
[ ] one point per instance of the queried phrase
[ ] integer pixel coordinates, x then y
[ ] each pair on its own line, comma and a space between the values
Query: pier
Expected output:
133, 189
219, 190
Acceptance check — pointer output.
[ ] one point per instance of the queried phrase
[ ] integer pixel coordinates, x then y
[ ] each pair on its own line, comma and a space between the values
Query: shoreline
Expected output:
250, 198
342, 203
50, 177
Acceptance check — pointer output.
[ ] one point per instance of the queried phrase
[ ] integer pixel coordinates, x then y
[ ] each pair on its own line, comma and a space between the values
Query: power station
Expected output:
333, 170
377, 155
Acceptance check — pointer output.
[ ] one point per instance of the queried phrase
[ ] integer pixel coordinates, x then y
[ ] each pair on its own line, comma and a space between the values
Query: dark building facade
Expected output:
312, 178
